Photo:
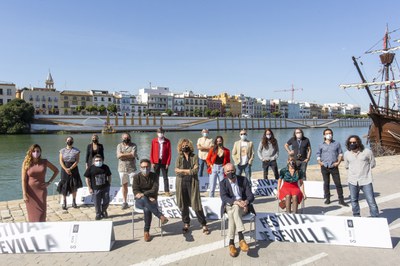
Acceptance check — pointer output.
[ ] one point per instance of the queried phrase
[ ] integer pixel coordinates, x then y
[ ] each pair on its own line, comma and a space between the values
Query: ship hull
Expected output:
385, 132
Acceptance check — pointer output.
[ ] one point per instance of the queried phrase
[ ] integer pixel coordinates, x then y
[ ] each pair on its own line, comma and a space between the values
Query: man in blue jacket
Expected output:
236, 199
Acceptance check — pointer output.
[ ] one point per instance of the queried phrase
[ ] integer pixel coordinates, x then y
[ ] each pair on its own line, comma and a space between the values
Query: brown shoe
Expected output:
147, 237
167, 194
243, 246
163, 219
233, 251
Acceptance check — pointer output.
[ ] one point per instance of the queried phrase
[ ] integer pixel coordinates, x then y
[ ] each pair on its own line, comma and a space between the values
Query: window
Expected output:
82, 98
74, 98
55, 99
37, 98
49, 99
43, 98
95, 99
66, 105
1, 91
8, 92
1, 101
65, 97
30, 98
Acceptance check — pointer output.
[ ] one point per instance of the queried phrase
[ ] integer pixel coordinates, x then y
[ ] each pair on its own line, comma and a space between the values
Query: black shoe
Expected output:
64, 206
341, 202
327, 201
74, 204
104, 214
124, 206
98, 217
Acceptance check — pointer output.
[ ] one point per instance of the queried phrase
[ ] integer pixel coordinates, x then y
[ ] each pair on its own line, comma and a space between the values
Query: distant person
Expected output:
359, 161
329, 157
70, 178
243, 155
160, 157
34, 185
145, 190
92, 149
126, 154
187, 185
217, 157
268, 152
300, 147
204, 144
98, 180
292, 189
237, 200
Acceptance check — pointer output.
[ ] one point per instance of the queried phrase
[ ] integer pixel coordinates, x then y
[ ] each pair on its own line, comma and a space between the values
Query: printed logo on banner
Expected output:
264, 187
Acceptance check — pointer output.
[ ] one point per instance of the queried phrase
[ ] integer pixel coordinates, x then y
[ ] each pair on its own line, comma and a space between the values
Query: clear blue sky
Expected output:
250, 47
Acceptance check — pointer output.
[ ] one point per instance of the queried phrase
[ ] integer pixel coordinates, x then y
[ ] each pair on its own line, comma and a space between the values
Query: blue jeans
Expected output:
217, 172
202, 165
368, 191
148, 208
246, 169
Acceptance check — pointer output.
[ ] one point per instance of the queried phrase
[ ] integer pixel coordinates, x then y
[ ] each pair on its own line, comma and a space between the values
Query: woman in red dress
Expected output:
292, 190
34, 186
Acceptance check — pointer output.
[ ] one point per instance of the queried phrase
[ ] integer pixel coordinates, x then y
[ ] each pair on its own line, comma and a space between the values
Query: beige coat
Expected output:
236, 152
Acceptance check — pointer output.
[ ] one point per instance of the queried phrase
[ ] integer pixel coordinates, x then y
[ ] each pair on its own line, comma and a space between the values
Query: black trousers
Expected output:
274, 167
186, 194
326, 173
161, 168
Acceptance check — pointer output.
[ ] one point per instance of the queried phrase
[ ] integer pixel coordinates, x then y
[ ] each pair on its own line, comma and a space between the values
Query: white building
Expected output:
7, 92
102, 97
123, 101
158, 99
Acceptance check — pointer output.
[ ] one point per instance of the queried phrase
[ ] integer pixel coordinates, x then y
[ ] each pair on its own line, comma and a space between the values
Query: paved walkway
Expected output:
198, 249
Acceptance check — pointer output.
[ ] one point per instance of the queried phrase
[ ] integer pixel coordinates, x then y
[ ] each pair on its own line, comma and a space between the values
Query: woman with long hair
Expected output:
292, 189
94, 148
217, 157
187, 185
268, 152
34, 185
70, 177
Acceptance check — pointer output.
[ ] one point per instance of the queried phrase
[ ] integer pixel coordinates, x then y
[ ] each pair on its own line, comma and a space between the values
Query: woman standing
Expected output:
92, 149
217, 157
187, 185
268, 152
292, 190
34, 186
70, 177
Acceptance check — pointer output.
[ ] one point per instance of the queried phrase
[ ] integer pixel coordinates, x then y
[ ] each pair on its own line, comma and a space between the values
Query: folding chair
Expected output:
141, 211
249, 217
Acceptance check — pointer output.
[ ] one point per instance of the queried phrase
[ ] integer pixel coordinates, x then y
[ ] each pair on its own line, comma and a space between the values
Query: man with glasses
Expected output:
98, 180
300, 147
236, 199
145, 190
243, 155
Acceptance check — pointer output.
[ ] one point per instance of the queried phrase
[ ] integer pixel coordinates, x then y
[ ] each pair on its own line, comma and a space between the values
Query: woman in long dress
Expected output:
34, 185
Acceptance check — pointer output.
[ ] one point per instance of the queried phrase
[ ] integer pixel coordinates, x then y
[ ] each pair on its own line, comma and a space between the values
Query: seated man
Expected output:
236, 199
145, 189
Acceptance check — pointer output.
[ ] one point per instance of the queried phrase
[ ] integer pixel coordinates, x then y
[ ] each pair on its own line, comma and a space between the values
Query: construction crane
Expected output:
292, 90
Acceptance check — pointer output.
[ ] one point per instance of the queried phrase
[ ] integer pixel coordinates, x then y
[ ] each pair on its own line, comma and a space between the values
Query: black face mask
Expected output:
292, 164
231, 176
186, 149
126, 140
95, 141
70, 142
353, 146
220, 144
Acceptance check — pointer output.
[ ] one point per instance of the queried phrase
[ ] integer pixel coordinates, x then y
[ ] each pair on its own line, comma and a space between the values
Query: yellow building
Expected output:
230, 105
70, 100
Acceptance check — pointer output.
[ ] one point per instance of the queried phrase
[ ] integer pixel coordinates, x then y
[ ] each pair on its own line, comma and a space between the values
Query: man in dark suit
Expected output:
236, 199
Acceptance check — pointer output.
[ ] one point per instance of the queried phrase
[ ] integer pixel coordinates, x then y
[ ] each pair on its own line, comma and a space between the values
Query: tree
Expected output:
197, 112
169, 112
147, 112
276, 114
91, 108
112, 108
80, 108
16, 117
102, 109
215, 113
229, 114
207, 112
264, 114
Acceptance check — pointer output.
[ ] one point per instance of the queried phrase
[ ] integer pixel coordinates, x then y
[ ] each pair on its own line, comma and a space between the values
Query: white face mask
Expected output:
205, 134
98, 164
268, 136
243, 137
328, 136
299, 135
160, 135
36, 154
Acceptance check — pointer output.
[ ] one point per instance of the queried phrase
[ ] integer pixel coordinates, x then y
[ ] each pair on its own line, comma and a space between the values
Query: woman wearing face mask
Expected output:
292, 190
268, 152
217, 157
34, 186
70, 177
187, 185
92, 149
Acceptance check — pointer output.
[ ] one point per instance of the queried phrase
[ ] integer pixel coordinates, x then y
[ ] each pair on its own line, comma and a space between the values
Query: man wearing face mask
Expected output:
204, 144
300, 147
359, 162
145, 190
98, 180
243, 155
160, 157
329, 156
126, 154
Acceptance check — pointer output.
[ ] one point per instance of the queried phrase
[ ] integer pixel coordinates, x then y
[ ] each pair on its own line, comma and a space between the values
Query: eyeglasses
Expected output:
230, 171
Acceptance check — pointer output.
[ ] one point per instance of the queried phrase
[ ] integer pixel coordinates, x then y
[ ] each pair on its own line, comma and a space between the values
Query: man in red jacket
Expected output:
160, 157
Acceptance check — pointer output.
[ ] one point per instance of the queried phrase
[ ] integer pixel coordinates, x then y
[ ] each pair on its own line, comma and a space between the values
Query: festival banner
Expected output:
56, 237
323, 229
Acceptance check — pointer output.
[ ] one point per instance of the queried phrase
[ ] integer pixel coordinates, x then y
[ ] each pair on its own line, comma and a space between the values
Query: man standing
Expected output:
160, 157
300, 147
359, 161
126, 154
204, 144
236, 199
243, 155
145, 189
329, 156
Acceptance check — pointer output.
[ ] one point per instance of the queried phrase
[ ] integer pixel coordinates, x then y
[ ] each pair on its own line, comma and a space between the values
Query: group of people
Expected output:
235, 189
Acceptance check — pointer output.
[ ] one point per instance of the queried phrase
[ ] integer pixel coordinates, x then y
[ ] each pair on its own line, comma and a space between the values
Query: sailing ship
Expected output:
384, 132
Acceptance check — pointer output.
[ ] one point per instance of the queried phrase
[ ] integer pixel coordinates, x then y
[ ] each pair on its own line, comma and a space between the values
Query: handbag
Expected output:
282, 204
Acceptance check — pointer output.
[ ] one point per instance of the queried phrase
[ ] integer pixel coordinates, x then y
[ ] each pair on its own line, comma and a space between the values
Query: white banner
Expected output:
267, 187
323, 229
56, 237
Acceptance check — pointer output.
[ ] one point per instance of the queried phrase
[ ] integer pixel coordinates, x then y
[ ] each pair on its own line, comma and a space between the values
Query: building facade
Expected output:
7, 92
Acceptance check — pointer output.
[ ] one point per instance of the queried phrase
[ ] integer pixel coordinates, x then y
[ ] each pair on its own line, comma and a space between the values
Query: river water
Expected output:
14, 147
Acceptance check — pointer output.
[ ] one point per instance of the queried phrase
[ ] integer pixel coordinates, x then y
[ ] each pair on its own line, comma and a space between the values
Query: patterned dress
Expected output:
69, 183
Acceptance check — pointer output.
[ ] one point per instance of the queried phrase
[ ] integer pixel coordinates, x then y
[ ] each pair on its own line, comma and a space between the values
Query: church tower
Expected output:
49, 82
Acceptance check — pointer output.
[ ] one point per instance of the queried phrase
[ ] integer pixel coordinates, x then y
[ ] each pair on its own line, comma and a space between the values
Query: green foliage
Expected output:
207, 112
169, 112
16, 117
215, 113
351, 116
276, 114
112, 108
91, 108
